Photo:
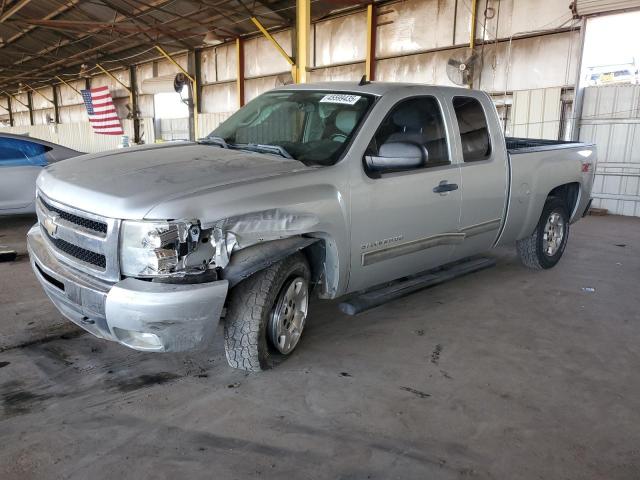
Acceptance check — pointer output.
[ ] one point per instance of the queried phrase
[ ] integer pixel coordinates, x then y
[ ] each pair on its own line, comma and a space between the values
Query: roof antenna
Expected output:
363, 81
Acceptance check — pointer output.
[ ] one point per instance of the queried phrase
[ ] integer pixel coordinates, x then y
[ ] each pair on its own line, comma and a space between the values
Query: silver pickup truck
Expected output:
331, 187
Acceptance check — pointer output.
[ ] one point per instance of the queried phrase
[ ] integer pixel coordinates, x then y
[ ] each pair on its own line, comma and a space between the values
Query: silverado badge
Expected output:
381, 243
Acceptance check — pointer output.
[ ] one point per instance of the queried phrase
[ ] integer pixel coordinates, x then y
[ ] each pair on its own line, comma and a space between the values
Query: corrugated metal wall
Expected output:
536, 113
80, 136
611, 120
209, 121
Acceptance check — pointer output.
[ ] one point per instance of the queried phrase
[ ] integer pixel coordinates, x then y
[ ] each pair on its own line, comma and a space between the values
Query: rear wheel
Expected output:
266, 315
545, 246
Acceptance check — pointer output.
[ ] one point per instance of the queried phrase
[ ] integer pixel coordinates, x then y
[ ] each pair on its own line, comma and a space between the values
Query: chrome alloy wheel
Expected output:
553, 234
289, 315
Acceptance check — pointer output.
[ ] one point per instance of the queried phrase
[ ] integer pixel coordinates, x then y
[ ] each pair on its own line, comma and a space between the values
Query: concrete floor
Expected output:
504, 374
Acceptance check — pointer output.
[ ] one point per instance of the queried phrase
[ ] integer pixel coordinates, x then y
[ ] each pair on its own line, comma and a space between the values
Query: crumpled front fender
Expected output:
250, 260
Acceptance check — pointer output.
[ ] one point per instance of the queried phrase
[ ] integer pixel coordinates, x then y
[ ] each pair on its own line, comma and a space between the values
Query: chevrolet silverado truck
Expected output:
335, 188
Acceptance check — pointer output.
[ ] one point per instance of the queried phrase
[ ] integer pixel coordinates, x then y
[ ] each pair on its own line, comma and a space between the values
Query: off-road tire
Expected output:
247, 346
531, 248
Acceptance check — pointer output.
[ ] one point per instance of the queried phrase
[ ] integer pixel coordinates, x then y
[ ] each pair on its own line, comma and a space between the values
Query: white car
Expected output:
22, 158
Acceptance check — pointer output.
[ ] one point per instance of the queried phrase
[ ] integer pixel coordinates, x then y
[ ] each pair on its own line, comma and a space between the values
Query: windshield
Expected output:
310, 126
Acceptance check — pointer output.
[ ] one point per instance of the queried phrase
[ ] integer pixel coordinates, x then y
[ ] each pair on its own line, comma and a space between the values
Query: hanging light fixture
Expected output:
84, 70
212, 38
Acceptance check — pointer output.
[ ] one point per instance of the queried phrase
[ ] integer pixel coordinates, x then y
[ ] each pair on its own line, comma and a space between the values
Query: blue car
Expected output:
22, 158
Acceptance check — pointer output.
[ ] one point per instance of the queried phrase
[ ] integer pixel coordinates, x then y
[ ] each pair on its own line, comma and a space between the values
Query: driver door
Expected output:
405, 220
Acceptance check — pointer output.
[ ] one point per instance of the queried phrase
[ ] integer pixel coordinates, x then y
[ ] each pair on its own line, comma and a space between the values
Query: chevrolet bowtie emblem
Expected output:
49, 224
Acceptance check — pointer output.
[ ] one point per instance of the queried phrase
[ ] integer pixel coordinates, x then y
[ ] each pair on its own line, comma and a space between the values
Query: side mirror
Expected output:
396, 156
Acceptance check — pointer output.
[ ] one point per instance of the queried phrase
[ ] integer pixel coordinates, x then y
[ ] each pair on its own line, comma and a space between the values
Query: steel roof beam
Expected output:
59, 11
49, 66
13, 10
91, 33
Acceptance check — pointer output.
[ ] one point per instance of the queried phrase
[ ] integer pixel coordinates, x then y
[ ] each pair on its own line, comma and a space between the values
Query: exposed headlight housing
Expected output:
157, 248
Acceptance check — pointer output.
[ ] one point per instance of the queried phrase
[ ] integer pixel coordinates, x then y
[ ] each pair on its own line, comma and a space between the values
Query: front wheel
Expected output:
266, 315
545, 246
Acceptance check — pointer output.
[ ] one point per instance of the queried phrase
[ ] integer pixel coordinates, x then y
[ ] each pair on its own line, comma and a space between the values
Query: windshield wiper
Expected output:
221, 142
254, 147
263, 148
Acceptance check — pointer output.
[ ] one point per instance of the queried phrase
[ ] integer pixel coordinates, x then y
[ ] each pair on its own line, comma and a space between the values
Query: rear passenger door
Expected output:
484, 171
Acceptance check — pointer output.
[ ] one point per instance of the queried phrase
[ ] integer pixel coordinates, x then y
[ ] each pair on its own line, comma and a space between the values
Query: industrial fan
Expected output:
464, 68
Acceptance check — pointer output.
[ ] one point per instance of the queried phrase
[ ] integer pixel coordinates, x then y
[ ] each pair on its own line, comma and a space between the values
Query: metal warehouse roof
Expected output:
42, 38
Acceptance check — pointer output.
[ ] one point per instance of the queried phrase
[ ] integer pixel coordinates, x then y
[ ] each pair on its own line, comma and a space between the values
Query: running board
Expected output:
374, 298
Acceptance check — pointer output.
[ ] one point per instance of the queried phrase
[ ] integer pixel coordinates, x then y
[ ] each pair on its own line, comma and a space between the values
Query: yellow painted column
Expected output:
370, 61
472, 37
303, 29
240, 71
474, 14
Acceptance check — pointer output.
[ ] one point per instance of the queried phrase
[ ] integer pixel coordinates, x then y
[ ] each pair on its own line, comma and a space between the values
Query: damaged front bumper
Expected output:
147, 316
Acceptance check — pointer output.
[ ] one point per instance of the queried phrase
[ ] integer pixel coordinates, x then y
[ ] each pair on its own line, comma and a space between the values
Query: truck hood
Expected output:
128, 183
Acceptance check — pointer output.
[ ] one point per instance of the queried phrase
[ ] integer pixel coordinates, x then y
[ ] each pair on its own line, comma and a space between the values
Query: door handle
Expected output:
444, 187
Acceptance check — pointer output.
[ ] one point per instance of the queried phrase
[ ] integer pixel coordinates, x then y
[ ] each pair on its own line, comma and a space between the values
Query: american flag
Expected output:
102, 111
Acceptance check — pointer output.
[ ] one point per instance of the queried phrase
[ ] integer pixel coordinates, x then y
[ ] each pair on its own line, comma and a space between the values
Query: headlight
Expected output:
149, 249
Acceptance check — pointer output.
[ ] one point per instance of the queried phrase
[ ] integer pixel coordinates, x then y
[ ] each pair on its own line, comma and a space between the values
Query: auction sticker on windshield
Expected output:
340, 98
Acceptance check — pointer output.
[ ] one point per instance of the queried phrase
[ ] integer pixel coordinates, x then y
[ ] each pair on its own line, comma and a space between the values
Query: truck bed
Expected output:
536, 168
522, 145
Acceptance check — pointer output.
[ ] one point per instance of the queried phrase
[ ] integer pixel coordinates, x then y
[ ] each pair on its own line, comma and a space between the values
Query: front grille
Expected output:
75, 219
86, 241
80, 253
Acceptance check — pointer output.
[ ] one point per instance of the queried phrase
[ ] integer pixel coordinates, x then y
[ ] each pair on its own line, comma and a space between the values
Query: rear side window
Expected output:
474, 132
15, 152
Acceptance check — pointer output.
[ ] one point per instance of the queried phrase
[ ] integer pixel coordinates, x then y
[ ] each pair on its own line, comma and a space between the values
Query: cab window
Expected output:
416, 122
474, 132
